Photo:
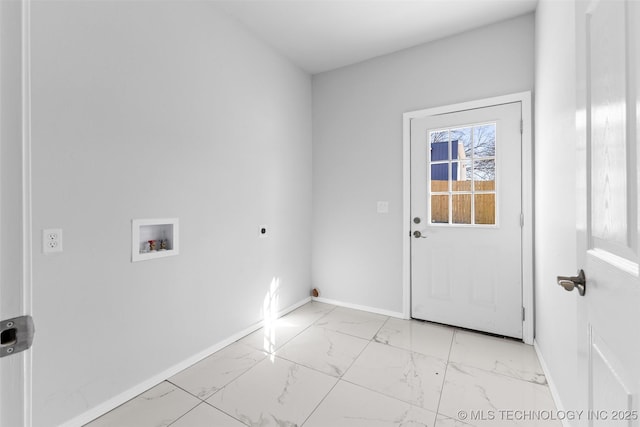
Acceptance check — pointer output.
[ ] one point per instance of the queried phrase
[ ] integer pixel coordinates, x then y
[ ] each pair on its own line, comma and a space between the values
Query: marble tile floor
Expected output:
327, 366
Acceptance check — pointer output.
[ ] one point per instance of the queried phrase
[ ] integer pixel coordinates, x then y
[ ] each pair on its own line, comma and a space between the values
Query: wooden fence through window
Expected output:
484, 208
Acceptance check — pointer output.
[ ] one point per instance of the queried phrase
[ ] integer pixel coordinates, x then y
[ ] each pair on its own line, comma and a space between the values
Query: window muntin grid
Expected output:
462, 175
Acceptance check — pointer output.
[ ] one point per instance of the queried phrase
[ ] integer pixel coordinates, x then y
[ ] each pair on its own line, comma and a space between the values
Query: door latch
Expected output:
16, 335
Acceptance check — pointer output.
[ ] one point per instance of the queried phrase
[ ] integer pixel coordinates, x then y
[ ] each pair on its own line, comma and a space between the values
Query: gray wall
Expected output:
147, 110
357, 148
555, 238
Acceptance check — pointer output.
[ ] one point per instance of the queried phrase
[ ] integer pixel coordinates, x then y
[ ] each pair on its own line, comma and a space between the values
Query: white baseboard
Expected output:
360, 307
127, 395
552, 387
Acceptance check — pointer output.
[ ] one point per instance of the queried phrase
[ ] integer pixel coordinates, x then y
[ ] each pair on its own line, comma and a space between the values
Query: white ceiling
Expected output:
321, 35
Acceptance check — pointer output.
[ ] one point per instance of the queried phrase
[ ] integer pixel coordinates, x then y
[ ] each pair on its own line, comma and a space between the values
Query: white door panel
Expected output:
466, 204
609, 312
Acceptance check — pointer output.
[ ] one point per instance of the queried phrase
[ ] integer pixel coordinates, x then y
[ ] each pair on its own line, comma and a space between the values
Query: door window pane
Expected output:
484, 175
439, 177
461, 178
440, 209
484, 141
439, 136
439, 145
485, 208
461, 208
439, 151
461, 143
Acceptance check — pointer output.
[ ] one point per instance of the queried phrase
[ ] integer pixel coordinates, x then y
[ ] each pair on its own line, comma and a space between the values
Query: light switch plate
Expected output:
383, 207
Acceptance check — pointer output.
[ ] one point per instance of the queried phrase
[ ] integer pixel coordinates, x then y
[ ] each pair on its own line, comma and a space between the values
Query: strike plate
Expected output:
16, 335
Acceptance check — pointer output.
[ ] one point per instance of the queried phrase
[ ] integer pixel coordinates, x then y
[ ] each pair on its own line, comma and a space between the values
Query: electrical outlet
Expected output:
52, 240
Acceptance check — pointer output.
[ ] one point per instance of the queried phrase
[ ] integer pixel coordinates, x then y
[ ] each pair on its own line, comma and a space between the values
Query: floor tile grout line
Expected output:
307, 367
500, 374
127, 402
480, 334
431, 356
343, 333
185, 390
346, 333
445, 329
183, 415
229, 383
217, 388
380, 328
388, 396
320, 403
355, 359
446, 370
302, 331
346, 369
289, 361
449, 361
333, 307
267, 356
225, 412
409, 351
340, 378
238, 376
322, 372
314, 324
372, 340
296, 335
239, 341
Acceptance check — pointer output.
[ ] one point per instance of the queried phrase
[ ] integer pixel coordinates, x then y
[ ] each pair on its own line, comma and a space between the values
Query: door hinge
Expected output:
521, 126
523, 314
521, 220
16, 335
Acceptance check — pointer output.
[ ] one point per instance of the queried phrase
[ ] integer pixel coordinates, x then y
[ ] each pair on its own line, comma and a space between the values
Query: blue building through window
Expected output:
439, 152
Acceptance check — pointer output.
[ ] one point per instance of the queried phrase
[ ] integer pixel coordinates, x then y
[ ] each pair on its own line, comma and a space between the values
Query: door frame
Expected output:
527, 198
21, 403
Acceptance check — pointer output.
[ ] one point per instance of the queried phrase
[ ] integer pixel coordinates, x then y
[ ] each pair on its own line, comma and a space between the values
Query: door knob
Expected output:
418, 235
571, 282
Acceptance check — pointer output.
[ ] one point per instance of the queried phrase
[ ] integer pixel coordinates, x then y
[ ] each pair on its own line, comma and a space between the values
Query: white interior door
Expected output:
466, 207
14, 368
609, 313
